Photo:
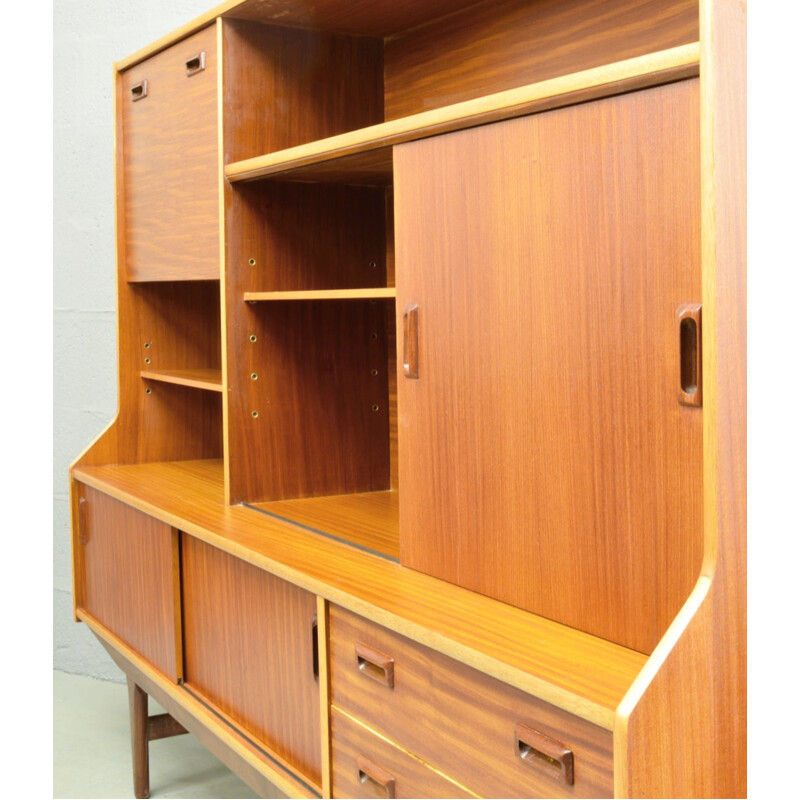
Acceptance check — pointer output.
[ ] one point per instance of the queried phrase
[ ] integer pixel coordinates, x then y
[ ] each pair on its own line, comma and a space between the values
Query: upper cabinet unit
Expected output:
169, 164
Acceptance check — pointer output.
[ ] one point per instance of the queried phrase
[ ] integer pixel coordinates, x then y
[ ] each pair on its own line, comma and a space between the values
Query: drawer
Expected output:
488, 736
364, 765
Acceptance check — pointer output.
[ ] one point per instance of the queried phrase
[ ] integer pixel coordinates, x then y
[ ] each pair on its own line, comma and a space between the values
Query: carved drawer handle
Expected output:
369, 773
195, 64
139, 91
535, 747
375, 665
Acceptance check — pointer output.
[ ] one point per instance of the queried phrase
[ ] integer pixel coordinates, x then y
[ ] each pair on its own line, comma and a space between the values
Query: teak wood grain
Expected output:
315, 420
460, 721
580, 673
356, 749
284, 86
544, 458
171, 169
696, 685
613, 78
260, 770
129, 580
248, 651
367, 519
493, 46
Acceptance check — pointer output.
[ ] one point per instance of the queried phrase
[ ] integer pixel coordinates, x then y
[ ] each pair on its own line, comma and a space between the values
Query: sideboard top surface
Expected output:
580, 673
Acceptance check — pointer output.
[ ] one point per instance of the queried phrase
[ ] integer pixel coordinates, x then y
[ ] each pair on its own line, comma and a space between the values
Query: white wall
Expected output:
89, 35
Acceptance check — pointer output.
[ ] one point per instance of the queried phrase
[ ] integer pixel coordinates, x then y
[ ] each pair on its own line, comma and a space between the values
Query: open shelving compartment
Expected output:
311, 354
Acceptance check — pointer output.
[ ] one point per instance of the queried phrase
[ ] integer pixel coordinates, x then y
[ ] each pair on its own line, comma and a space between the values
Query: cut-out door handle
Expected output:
690, 378
83, 522
139, 91
375, 665
195, 64
536, 748
411, 341
315, 647
382, 781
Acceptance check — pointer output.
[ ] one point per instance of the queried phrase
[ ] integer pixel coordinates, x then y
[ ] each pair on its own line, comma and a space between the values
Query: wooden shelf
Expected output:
379, 293
209, 379
355, 152
369, 520
580, 673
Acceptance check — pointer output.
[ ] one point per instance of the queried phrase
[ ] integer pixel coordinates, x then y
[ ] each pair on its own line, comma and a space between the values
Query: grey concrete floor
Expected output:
92, 756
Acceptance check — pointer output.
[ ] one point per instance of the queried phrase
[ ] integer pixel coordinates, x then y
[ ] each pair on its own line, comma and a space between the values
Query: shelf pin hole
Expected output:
373, 372
147, 345
148, 390
376, 407
253, 338
254, 414
147, 360
253, 376
252, 262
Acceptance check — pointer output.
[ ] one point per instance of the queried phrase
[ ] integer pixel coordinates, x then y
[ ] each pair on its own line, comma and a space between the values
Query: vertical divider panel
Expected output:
324, 695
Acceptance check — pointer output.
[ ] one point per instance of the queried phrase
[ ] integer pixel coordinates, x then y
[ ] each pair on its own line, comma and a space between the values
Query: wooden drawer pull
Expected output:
83, 522
690, 389
411, 341
195, 64
369, 773
375, 665
533, 746
139, 91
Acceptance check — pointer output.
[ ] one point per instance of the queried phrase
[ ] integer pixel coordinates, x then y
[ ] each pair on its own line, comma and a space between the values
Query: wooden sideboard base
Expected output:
230, 747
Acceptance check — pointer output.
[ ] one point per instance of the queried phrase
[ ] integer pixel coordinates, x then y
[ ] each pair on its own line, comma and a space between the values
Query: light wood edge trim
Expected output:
177, 602
323, 628
646, 676
193, 383
710, 405
223, 268
201, 714
569, 701
324, 294
408, 753
119, 256
194, 25
635, 73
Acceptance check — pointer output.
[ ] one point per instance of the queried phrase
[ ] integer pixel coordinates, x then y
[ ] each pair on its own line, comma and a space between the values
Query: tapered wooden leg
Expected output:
137, 699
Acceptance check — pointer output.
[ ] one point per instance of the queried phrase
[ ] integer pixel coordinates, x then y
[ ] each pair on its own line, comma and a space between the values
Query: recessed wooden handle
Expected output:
315, 647
536, 748
83, 524
375, 665
139, 91
195, 64
690, 380
382, 781
411, 341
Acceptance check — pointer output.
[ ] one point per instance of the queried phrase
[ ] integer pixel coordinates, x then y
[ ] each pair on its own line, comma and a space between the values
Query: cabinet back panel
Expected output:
129, 577
501, 45
170, 163
284, 87
316, 432
248, 649
544, 457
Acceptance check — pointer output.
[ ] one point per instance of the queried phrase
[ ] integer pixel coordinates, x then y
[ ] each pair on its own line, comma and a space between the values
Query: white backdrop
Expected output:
89, 35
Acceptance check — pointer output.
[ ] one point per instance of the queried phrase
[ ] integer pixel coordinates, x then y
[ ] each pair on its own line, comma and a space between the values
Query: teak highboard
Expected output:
428, 474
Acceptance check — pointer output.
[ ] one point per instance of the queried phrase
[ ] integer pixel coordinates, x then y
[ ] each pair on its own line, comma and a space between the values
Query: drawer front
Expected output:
364, 765
170, 163
249, 649
488, 736
128, 568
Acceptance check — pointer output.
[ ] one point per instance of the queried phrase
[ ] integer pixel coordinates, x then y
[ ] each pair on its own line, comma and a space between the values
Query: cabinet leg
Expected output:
137, 699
